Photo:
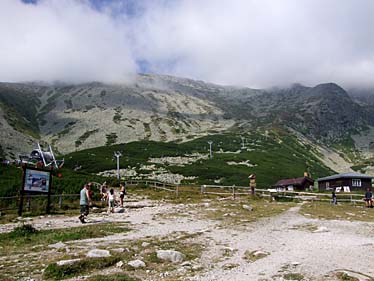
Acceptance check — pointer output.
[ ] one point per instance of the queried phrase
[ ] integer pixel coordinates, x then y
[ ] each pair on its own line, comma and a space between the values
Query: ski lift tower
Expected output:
117, 154
210, 148
243, 142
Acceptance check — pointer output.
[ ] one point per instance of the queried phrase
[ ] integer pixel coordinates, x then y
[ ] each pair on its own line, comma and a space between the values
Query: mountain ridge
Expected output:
167, 108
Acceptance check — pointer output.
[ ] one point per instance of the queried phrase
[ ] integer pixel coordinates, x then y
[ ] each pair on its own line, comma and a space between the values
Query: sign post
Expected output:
252, 183
35, 181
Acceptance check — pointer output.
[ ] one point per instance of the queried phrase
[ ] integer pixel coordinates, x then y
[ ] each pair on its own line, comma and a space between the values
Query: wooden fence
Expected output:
11, 202
57, 200
272, 194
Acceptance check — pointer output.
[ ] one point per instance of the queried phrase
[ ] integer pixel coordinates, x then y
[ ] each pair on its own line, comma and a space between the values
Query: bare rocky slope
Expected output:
165, 108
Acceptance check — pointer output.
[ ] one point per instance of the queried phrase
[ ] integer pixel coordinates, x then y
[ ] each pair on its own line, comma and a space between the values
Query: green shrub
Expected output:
57, 272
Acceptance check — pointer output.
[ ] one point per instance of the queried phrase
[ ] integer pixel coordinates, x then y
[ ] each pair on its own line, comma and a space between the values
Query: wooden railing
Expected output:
232, 191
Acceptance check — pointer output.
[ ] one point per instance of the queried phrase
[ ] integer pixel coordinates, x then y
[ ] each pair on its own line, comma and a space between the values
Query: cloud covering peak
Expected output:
252, 43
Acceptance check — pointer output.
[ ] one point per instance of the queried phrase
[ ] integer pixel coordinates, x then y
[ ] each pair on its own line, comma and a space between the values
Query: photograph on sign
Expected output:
36, 180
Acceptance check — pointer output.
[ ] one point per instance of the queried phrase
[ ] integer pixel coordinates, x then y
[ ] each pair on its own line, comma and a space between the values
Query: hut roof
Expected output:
346, 175
294, 181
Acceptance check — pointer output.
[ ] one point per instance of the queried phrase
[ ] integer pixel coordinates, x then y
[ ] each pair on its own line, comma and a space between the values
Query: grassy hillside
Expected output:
20, 110
272, 156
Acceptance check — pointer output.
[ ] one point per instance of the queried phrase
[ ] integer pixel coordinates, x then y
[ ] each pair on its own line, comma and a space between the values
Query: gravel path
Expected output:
295, 244
294, 248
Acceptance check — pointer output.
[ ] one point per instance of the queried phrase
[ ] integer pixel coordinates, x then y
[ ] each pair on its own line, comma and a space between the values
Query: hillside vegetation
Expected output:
271, 156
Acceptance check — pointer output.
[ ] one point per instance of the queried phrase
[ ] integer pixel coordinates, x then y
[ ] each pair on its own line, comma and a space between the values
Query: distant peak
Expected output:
330, 86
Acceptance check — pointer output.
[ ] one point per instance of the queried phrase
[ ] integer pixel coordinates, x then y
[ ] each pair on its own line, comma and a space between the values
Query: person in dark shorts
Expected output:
368, 198
333, 196
85, 201
122, 193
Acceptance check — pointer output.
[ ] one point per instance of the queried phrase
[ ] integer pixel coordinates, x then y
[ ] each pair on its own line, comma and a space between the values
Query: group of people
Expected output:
106, 196
368, 198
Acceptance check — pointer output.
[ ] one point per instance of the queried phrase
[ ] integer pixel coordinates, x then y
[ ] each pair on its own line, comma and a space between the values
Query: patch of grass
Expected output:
180, 241
306, 227
293, 276
23, 230
112, 277
231, 212
346, 277
85, 136
24, 237
252, 256
111, 138
57, 272
324, 210
229, 266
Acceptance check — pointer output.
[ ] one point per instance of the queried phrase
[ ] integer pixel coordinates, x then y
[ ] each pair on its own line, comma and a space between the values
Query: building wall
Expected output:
330, 184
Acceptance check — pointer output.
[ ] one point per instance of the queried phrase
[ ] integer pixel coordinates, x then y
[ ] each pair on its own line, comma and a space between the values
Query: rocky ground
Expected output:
287, 246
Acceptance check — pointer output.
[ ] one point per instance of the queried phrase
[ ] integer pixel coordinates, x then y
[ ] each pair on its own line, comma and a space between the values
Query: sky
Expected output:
253, 43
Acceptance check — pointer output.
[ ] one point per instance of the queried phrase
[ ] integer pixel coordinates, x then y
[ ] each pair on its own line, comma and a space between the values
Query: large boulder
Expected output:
136, 263
170, 255
97, 253
67, 262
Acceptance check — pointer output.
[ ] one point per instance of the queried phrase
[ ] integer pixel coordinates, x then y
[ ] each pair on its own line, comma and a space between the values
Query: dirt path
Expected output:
295, 244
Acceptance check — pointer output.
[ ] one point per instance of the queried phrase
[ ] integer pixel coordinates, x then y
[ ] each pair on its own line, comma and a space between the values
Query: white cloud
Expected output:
262, 43
257, 43
62, 40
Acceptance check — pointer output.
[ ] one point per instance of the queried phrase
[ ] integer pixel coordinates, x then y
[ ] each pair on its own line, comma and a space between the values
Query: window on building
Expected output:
356, 182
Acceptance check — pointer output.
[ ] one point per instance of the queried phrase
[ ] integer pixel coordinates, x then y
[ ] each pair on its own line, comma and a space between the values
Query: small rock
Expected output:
97, 253
247, 207
321, 229
119, 250
260, 253
65, 262
119, 264
170, 255
119, 210
57, 245
181, 269
136, 263
145, 244
186, 263
295, 263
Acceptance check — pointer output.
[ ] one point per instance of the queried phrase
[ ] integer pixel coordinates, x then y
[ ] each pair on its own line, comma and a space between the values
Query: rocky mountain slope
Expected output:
164, 108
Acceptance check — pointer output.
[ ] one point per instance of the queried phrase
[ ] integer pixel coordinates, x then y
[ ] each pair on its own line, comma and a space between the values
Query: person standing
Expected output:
85, 201
122, 193
333, 196
369, 198
111, 199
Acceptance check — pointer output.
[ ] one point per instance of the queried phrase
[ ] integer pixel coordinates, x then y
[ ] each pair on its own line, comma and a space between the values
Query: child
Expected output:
111, 201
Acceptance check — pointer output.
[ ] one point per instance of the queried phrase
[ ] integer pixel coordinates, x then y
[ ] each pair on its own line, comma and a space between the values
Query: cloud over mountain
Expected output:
252, 43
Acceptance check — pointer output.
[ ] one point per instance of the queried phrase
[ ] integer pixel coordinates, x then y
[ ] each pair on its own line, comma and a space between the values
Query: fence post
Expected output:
202, 189
233, 192
28, 204
60, 201
177, 190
